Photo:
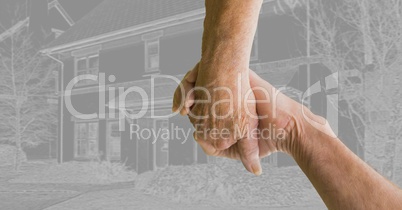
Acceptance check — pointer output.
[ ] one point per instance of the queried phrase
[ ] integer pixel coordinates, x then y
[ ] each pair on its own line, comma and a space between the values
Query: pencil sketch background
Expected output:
71, 71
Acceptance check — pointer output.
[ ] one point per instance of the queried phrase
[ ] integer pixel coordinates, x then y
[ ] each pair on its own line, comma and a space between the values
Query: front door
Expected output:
86, 140
113, 141
161, 144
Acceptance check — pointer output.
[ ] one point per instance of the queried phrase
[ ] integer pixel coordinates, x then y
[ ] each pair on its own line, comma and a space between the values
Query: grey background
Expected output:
347, 54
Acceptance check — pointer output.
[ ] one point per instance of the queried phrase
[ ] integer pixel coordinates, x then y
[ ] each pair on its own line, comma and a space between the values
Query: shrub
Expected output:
227, 182
94, 172
7, 155
109, 171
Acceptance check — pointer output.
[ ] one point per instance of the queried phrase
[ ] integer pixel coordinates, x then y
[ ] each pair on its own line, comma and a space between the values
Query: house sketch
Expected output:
115, 65
133, 41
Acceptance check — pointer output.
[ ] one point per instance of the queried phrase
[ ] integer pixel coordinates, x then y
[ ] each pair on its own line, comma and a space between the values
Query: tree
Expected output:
362, 40
26, 83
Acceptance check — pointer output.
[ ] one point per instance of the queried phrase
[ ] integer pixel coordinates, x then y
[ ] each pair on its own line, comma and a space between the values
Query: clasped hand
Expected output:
237, 115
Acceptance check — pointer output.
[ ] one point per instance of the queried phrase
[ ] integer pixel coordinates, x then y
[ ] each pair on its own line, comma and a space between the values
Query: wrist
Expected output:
220, 53
216, 64
313, 133
229, 29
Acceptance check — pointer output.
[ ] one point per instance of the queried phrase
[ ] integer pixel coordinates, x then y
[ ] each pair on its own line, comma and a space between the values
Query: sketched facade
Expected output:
37, 22
131, 40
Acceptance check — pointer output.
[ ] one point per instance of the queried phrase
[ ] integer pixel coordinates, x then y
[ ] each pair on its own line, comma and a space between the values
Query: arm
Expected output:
341, 178
229, 30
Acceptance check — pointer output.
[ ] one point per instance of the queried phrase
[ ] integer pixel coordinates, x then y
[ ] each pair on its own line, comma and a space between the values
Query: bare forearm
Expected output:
229, 29
341, 178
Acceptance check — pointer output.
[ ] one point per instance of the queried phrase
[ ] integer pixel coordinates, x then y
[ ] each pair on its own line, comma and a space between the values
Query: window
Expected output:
80, 138
86, 139
152, 51
87, 65
152, 55
114, 141
161, 146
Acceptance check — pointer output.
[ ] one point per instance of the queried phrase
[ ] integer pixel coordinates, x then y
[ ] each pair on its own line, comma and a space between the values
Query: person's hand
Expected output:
285, 125
223, 112
279, 127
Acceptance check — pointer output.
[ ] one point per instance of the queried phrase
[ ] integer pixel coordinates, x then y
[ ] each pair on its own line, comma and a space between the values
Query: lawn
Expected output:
85, 185
41, 184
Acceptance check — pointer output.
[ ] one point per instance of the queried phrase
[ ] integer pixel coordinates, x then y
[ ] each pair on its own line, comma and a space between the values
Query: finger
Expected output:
206, 146
265, 93
182, 99
266, 145
178, 97
189, 88
231, 153
249, 153
189, 98
222, 144
192, 76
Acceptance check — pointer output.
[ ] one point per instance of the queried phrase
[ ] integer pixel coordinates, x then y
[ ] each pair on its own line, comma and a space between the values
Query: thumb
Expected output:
249, 153
183, 97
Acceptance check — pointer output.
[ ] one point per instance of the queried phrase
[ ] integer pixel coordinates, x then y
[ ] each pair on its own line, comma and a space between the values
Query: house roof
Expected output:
62, 10
114, 15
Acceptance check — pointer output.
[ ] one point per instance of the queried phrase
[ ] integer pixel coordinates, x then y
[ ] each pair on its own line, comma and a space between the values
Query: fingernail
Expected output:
183, 112
175, 109
256, 168
188, 103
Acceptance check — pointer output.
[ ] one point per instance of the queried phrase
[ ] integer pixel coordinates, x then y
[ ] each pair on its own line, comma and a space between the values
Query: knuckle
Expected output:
209, 153
249, 155
222, 144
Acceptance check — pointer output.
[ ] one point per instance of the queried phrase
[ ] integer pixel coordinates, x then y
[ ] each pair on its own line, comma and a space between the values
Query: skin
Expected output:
229, 29
342, 179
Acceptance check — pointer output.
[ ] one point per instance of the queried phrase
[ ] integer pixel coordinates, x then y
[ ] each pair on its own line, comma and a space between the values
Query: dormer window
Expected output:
152, 51
152, 56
